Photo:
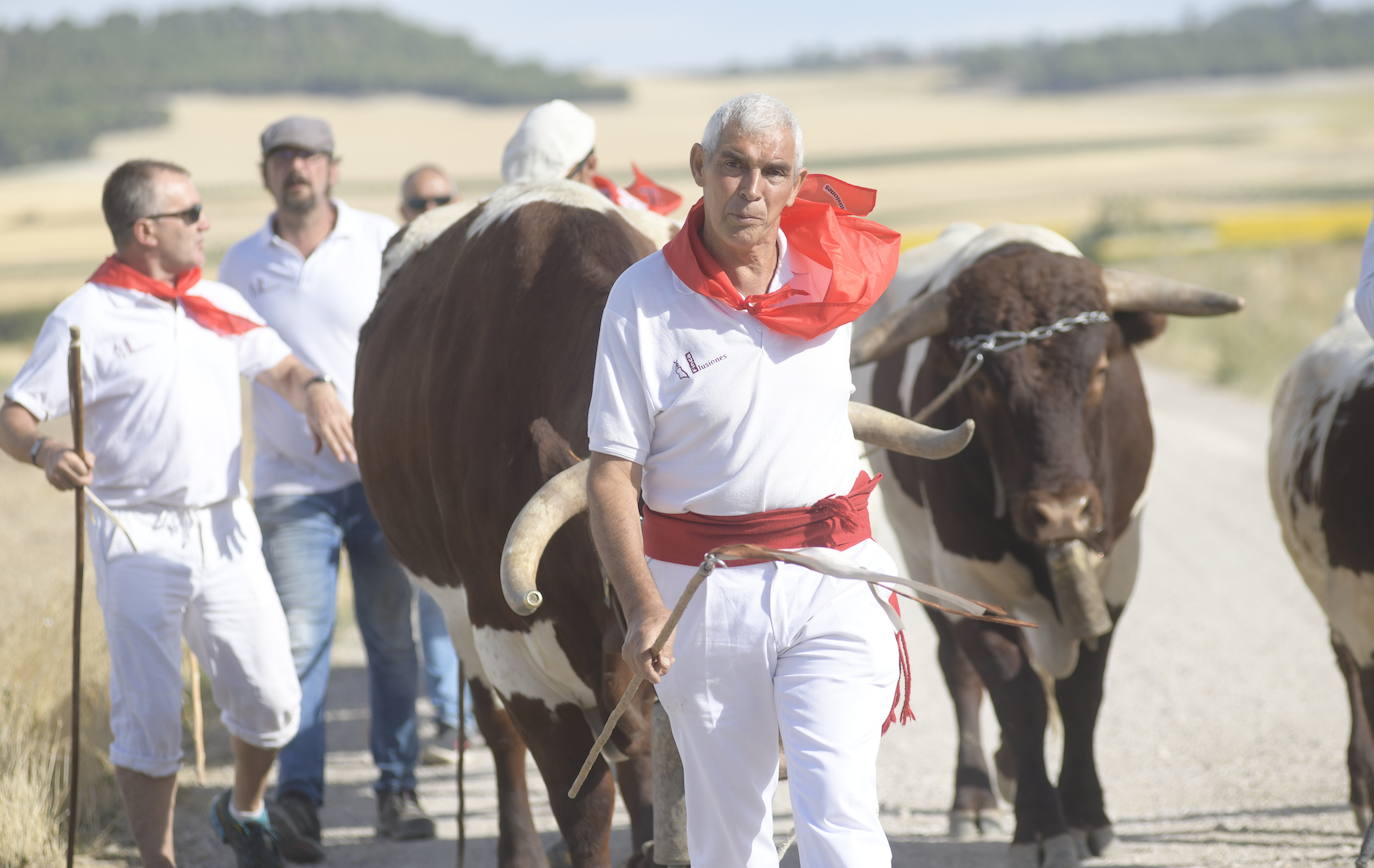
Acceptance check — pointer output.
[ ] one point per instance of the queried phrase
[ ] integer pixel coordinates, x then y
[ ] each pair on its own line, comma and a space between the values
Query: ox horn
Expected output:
551, 507
924, 316
565, 495
901, 434
1146, 293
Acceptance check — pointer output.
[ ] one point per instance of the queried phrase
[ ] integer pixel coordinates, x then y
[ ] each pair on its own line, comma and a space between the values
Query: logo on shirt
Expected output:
693, 365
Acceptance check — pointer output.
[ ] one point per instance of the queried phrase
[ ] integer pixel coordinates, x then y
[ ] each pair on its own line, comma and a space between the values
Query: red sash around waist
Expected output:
836, 522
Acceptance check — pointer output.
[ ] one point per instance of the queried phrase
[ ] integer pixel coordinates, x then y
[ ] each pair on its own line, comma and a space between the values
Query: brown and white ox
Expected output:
474, 376
1041, 513
1321, 479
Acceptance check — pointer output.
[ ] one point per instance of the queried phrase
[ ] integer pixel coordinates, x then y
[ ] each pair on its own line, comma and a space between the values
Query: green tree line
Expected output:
66, 84
1253, 40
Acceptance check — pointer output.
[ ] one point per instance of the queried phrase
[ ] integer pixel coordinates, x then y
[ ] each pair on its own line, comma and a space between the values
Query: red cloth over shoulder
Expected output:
845, 262
113, 272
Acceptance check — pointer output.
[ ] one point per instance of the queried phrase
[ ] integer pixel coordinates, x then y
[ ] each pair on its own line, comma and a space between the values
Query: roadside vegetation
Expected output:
67, 84
1261, 39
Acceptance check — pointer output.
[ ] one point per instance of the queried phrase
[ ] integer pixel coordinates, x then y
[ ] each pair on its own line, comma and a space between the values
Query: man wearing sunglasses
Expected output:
175, 546
312, 273
424, 188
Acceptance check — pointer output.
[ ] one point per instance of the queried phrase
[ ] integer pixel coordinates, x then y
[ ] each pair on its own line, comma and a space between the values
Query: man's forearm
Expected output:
613, 507
18, 431
289, 378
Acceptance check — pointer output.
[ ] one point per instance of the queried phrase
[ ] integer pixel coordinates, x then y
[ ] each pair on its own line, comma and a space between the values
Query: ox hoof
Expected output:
971, 825
559, 855
1057, 852
1100, 840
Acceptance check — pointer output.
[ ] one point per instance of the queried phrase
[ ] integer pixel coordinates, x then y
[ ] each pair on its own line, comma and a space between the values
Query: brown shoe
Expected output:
400, 816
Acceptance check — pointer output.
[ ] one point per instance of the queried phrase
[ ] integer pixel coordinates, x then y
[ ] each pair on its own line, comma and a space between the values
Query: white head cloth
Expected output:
551, 140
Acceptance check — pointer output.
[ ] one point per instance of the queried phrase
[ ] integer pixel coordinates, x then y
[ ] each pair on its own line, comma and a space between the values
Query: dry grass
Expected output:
35, 669
1246, 159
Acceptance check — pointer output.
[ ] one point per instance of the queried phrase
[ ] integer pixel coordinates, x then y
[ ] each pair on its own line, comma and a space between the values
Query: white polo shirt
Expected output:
317, 305
161, 392
727, 416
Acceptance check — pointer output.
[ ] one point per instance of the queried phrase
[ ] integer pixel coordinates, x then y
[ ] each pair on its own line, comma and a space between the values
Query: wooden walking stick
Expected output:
197, 720
78, 436
462, 752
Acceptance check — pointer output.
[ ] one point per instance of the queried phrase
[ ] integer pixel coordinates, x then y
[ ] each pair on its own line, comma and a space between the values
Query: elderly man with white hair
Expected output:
557, 140
721, 392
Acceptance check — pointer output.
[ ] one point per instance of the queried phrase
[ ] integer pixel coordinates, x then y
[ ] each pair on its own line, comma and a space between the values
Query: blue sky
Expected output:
619, 36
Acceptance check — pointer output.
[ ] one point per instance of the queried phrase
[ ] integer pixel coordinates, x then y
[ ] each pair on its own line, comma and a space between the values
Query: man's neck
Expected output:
146, 264
750, 269
305, 231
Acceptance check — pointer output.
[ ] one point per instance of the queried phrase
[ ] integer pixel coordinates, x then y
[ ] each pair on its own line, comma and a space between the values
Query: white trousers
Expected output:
775, 648
197, 573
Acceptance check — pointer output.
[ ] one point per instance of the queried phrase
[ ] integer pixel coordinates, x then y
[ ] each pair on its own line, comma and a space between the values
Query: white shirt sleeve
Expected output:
1364, 290
259, 349
41, 384
619, 421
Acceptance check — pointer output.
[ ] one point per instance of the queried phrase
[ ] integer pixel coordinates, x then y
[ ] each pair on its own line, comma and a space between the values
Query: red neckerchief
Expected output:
113, 272
851, 260
657, 197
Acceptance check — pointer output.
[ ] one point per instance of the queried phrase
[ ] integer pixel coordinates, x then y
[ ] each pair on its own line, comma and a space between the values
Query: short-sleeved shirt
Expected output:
727, 416
161, 392
317, 305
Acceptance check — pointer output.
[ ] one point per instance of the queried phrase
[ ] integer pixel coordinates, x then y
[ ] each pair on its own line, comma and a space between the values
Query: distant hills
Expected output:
1253, 40
67, 84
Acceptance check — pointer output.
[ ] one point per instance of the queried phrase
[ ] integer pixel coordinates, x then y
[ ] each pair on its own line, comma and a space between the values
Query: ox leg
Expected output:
559, 740
518, 844
1080, 790
974, 811
998, 653
1359, 753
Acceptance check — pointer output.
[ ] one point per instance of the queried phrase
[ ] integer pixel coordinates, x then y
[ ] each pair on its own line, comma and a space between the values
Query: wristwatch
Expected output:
318, 378
35, 449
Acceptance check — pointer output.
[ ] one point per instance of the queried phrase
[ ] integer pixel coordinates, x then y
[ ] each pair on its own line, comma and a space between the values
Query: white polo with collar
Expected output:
317, 305
727, 416
161, 392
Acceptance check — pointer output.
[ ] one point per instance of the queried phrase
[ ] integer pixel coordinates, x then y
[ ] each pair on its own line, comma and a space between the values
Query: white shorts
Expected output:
197, 573
775, 648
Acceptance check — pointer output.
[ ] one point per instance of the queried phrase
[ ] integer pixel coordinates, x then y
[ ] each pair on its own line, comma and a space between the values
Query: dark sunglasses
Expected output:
190, 216
420, 203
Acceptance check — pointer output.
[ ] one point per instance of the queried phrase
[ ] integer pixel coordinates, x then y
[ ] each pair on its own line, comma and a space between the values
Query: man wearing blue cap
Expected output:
312, 272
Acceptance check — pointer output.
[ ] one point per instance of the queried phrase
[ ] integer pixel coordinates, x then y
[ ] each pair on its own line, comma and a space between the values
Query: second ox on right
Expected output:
1011, 326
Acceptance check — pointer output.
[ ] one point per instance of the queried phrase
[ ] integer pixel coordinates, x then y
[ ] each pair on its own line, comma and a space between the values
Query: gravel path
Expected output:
1222, 737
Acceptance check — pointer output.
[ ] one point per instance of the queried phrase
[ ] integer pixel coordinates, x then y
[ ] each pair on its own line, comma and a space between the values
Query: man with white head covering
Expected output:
721, 396
557, 140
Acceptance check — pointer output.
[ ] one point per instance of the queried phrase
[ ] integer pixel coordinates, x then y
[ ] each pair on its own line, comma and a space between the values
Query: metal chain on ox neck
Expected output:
976, 348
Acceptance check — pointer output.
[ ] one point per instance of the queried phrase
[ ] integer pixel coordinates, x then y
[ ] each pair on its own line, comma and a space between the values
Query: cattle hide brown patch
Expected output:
1344, 496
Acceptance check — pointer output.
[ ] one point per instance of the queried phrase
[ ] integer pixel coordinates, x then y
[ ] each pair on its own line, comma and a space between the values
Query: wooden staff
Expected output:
631, 691
78, 436
462, 752
197, 720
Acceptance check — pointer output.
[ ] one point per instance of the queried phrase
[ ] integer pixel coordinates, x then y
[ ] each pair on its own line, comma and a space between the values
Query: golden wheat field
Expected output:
1259, 187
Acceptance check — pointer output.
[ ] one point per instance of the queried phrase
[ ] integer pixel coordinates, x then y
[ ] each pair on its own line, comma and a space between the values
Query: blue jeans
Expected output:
441, 663
302, 536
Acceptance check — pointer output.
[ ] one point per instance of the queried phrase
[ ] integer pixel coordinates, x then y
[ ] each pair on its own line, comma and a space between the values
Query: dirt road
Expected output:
1222, 737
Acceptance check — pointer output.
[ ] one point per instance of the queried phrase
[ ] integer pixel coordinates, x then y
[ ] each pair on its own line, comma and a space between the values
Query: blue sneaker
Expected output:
253, 841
